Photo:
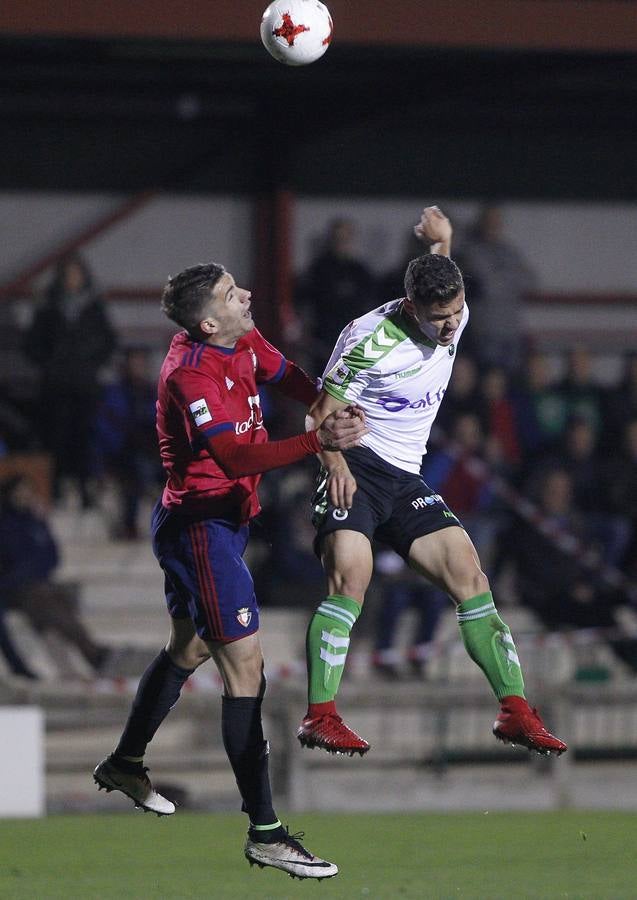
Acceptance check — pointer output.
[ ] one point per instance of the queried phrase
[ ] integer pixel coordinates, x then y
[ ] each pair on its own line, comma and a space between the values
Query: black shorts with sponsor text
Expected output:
391, 505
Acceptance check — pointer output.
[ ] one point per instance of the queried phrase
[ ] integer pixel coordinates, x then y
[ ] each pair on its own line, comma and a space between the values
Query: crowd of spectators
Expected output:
91, 406
515, 424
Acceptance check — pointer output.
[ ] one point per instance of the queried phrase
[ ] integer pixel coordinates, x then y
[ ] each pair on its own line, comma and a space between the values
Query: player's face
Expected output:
230, 312
439, 322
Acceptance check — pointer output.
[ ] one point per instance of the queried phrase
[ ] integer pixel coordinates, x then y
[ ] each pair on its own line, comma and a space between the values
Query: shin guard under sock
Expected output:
158, 691
327, 643
248, 752
489, 644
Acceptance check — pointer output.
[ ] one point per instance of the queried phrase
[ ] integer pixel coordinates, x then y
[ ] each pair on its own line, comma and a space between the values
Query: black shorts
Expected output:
391, 505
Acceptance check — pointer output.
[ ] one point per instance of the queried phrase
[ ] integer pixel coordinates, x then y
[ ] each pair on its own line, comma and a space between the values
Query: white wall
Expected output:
572, 247
21, 761
174, 232
162, 238
588, 247
32, 224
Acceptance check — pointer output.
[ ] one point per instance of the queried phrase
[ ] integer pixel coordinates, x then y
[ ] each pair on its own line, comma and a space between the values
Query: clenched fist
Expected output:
434, 227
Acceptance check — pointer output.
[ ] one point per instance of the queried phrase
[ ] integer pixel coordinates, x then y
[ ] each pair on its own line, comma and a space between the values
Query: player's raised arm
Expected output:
435, 231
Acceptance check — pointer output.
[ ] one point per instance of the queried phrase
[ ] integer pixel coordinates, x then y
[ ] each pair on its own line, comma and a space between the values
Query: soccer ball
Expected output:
296, 32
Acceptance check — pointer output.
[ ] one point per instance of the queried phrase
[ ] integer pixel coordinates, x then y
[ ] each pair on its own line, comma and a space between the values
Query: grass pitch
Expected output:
471, 856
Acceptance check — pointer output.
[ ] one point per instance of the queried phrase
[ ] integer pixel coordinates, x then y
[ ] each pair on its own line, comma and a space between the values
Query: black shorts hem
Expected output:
439, 527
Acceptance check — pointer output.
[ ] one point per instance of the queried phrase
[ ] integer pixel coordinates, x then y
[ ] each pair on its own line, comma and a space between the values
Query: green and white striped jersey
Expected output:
387, 366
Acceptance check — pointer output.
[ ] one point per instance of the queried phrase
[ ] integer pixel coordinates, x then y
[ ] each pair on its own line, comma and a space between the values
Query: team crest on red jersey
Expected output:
244, 616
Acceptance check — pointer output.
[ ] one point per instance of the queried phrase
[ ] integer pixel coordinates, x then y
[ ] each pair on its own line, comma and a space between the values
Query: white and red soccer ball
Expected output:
296, 32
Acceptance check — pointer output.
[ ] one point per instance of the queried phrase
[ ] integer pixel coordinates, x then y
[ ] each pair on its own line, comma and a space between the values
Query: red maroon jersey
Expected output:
204, 390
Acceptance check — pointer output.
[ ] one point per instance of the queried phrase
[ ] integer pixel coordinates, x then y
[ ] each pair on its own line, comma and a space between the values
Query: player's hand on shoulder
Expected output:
434, 227
342, 429
341, 485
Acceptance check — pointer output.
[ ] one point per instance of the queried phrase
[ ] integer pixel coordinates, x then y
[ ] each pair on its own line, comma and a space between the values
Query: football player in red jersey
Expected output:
214, 448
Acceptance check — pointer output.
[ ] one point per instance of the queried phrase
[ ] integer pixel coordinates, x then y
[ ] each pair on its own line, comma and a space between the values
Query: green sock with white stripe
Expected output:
327, 643
489, 644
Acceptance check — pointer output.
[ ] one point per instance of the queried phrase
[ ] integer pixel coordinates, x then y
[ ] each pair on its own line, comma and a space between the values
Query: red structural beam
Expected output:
543, 24
20, 283
273, 279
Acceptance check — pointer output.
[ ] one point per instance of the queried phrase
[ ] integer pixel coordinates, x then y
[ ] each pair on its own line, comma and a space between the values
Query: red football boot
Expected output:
517, 723
329, 732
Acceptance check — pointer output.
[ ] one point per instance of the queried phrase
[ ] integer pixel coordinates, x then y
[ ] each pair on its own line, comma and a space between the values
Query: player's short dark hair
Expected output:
433, 278
186, 294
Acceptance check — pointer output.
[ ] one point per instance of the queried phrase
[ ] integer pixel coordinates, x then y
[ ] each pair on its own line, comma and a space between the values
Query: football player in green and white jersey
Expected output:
395, 363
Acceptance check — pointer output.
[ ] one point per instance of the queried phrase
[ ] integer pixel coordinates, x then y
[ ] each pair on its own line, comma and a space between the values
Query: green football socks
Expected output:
327, 643
489, 644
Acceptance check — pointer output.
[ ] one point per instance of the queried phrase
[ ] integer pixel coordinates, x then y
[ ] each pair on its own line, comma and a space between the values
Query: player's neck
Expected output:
214, 340
223, 345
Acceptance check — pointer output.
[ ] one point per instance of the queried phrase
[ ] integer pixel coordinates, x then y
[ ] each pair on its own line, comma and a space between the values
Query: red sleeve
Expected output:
273, 368
270, 362
297, 384
238, 460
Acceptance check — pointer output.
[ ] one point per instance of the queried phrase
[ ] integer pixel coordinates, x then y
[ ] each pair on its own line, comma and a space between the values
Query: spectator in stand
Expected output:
8, 648
462, 395
498, 279
540, 409
392, 283
337, 287
10, 652
17, 434
401, 590
620, 406
622, 491
124, 430
70, 339
550, 576
281, 540
582, 395
28, 559
578, 455
497, 414
457, 471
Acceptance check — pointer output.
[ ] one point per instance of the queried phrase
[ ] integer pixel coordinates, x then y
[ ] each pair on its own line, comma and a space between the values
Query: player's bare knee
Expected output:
468, 584
191, 658
479, 583
243, 682
348, 587
349, 584
187, 652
